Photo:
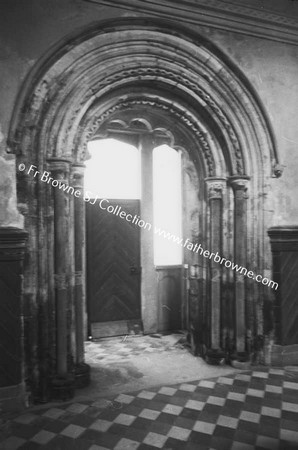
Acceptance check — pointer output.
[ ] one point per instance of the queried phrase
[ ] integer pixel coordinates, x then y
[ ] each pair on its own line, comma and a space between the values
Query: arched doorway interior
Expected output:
140, 78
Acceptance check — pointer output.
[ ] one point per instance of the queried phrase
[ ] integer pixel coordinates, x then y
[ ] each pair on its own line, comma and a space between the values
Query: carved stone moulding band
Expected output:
60, 281
190, 84
199, 91
182, 116
78, 278
70, 103
59, 164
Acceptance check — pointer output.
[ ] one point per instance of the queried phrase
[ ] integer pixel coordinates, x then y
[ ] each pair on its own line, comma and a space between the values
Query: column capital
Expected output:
77, 174
59, 165
216, 186
239, 182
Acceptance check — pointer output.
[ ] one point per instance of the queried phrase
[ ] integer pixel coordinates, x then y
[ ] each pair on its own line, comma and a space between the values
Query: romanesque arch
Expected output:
181, 86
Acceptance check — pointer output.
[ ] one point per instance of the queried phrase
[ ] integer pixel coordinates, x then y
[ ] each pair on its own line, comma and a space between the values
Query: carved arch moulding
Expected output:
195, 79
193, 129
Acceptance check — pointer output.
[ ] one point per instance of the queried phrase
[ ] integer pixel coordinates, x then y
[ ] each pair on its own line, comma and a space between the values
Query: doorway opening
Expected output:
112, 191
115, 243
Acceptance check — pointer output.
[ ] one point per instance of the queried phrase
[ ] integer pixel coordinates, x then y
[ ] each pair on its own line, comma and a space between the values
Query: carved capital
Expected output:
239, 183
59, 168
77, 175
216, 187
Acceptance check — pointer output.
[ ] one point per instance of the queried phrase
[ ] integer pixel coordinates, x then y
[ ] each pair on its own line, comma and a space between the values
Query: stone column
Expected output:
59, 169
82, 370
215, 193
239, 185
12, 251
148, 283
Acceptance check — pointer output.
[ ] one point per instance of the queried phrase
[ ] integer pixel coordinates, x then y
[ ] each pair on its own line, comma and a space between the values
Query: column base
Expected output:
63, 387
82, 375
241, 360
215, 357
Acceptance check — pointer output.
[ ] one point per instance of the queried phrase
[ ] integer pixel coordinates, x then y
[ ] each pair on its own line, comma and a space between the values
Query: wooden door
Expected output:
169, 289
113, 269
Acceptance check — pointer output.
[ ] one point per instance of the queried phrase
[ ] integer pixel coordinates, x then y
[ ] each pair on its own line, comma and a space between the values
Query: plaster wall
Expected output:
29, 30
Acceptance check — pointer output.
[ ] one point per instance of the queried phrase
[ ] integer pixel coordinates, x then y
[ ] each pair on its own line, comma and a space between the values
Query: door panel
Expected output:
113, 267
169, 290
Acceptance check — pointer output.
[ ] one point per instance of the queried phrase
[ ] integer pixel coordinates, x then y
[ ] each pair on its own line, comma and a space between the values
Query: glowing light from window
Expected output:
167, 205
113, 171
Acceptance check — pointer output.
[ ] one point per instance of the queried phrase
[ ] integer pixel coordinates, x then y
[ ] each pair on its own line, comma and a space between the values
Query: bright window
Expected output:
167, 206
113, 171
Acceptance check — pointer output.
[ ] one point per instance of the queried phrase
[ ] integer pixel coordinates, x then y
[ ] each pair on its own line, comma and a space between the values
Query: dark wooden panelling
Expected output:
284, 242
289, 297
12, 248
10, 365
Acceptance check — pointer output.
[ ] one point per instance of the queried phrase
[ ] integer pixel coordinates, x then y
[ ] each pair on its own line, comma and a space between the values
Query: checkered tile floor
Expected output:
123, 348
242, 411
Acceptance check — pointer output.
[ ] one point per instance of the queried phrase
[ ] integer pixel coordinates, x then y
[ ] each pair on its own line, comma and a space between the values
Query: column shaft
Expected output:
240, 237
79, 240
59, 170
216, 187
148, 283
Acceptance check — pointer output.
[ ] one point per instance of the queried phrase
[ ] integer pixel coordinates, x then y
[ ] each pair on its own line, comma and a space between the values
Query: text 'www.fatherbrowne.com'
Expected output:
117, 210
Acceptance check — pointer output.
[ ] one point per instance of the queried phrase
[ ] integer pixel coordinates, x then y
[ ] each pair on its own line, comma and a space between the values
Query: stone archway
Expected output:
204, 101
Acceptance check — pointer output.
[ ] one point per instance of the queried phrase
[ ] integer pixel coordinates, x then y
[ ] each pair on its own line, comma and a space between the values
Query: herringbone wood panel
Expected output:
113, 246
289, 305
